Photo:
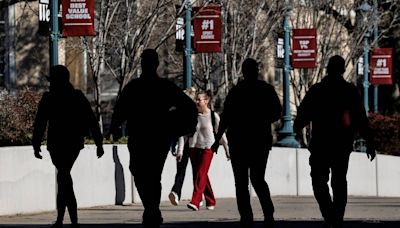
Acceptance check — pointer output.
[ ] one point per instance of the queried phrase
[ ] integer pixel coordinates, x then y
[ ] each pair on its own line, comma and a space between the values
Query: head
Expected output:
191, 92
336, 66
149, 61
202, 100
59, 77
250, 68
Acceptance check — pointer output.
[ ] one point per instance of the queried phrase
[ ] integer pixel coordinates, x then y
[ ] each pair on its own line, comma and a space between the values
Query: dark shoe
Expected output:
246, 223
269, 222
337, 224
326, 225
57, 225
75, 225
153, 222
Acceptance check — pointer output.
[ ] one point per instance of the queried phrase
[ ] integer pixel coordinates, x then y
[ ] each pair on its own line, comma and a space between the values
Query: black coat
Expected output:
335, 110
69, 118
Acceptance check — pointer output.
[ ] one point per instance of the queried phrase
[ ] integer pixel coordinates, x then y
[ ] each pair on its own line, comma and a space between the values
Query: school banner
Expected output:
78, 18
381, 66
207, 26
304, 53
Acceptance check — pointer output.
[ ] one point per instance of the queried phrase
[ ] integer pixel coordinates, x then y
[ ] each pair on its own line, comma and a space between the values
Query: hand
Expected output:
228, 156
100, 151
299, 137
215, 146
37, 153
179, 157
371, 153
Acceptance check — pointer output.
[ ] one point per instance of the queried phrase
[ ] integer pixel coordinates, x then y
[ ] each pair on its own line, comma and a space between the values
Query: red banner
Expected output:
304, 54
78, 18
381, 66
207, 24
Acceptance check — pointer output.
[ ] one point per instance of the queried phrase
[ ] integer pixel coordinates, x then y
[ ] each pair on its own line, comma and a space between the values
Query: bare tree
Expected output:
124, 28
341, 28
248, 28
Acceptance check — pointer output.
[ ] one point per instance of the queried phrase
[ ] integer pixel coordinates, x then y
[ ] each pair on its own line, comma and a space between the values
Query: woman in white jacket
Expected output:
200, 152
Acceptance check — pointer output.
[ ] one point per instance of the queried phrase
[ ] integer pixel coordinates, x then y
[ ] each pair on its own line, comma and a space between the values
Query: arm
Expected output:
183, 111
304, 112
276, 107
93, 125
119, 115
40, 124
223, 140
364, 127
181, 146
223, 122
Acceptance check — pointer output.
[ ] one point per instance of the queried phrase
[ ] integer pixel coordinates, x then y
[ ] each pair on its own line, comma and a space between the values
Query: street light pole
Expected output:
54, 33
188, 45
366, 66
365, 8
286, 134
375, 45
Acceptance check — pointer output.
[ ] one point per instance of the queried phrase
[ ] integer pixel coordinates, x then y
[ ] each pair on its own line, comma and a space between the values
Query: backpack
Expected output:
213, 122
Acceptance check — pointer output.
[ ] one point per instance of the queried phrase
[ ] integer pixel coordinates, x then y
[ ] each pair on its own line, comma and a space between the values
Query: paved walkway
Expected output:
289, 212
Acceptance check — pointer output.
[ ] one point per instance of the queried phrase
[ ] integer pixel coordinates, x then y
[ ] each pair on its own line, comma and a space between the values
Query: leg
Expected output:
339, 188
148, 192
194, 156
319, 178
180, 173
201, 177
208, 192
241, 175
257, 177
61, 196
64, 160
71, 202
66, 196
148, 181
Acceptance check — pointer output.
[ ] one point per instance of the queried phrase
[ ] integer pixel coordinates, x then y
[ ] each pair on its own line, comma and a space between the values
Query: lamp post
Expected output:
54, 33
188, 45
375, 45
365, 8
286, 135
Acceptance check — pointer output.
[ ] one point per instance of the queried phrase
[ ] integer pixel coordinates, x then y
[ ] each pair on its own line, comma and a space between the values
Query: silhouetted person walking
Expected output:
335, 111
182, 159
150, 129
249, 109
68, 117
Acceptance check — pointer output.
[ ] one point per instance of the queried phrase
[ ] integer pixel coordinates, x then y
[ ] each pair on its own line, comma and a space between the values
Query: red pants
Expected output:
201, 160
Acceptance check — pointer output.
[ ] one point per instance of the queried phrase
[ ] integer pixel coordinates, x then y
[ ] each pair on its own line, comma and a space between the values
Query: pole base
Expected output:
287, 140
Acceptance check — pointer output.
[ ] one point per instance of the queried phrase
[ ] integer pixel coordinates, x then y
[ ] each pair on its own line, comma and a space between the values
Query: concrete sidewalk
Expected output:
289, 212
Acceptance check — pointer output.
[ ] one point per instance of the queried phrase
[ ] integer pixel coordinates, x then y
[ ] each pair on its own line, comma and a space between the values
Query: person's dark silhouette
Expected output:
182, 160
145, 103
181, 164
335, 110
249, 109
68, 117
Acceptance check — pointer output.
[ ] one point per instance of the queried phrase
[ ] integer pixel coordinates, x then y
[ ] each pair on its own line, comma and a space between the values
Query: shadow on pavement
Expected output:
279, 224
